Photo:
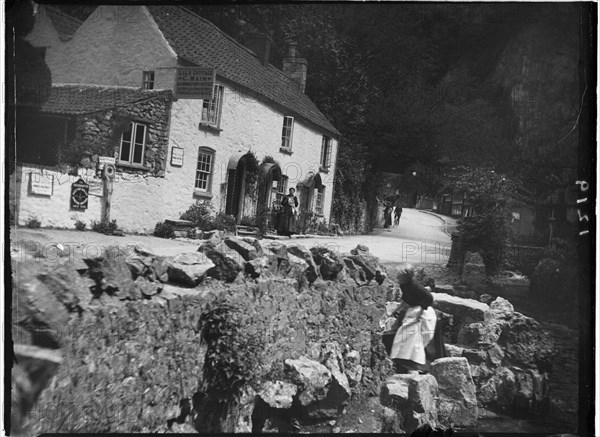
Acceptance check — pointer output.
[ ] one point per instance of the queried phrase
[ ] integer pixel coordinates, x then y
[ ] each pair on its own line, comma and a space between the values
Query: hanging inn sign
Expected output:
195, 83
79, 194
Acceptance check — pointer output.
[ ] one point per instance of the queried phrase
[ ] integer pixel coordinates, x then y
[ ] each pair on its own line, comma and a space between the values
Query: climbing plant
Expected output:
252, 166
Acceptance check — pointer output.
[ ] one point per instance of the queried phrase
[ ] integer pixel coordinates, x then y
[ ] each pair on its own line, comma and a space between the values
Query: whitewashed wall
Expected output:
55, 210
139, 202
113, 47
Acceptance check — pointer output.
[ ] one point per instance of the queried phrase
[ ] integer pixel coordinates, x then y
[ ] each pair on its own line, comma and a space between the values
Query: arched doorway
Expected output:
269, 176
236, 184
306, 190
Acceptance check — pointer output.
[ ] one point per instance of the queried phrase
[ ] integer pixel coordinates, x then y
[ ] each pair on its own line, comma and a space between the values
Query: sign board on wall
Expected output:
177, 156
79, 194
195, 83
41, 184
102, 160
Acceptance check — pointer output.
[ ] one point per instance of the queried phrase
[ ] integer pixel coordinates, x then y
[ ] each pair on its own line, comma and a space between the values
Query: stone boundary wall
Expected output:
129, 356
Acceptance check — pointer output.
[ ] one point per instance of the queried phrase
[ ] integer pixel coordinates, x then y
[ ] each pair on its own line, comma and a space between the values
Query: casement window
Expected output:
319, 200
211, 109
281, 191
287, 132
326, 152
204, 170
148, 80
133, 143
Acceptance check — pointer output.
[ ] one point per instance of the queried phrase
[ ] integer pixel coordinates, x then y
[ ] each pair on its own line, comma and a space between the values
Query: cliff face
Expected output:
539, 73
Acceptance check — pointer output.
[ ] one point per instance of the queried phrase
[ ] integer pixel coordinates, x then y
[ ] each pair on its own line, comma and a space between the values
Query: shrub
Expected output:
488, 234
33, 223
263, 217
201, 214
224, 221
164, 230
80, 226
105, 228
555, 276
248, 221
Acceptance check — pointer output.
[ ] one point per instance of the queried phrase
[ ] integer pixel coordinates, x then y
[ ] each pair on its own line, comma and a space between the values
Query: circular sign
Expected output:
80, 197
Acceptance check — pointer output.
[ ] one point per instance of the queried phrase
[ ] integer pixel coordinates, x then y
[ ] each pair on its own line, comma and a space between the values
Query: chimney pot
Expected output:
295, 67
260, 45
292, 50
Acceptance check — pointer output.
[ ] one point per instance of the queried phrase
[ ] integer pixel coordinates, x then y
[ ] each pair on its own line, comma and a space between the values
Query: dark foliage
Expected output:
164, 230
105, 228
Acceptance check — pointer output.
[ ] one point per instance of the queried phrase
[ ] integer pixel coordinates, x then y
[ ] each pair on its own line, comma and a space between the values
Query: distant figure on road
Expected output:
287, 219
397, 210
387, 215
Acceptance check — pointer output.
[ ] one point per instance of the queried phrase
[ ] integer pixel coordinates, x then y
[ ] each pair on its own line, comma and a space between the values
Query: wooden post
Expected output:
107, 190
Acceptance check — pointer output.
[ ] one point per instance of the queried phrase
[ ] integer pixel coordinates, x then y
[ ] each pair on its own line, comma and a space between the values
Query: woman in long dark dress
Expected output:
287, 219
387, 214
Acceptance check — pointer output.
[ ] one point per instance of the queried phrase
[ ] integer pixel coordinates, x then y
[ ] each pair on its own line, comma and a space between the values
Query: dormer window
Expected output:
148, 80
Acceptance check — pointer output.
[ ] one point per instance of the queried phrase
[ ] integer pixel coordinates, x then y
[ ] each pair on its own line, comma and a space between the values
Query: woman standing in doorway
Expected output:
287, 219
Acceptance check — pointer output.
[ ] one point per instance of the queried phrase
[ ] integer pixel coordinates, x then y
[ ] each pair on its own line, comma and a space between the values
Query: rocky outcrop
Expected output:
313, 378
474, 273
464, 309
457, 403
499, 344
189, 268
413, 398
278, 394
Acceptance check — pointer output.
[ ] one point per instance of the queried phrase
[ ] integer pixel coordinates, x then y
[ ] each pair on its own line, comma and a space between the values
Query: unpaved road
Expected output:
419, 239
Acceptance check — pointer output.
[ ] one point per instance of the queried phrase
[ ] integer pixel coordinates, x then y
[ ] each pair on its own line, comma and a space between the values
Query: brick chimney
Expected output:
295, 67
260, 45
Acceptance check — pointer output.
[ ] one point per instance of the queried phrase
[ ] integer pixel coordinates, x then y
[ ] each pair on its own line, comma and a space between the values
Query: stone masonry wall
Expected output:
100, 133
132, 353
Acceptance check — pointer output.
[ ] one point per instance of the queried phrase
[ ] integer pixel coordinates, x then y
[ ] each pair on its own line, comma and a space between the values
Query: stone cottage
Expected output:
175, 111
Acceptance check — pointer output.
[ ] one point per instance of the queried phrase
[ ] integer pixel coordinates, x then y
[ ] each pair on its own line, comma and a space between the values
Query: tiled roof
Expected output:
85, 99
202, 43
65, 24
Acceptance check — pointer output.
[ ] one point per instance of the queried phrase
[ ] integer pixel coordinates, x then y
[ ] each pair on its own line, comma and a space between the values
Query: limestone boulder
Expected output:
33, 369
331, 267
457, 401
189, 268
245, 250
227, 262
463, 309
413, 397
391, 423
110, 273
312, 377
254, 242
278, 394
444, 288
354, 271
502, 308
474, 273
302, 252
352, 367
454, 351
526, 343
255, 267
479, 334
331, 357
368, 263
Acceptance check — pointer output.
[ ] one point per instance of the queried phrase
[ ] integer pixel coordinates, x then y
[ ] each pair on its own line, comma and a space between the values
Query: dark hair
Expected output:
292, 188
